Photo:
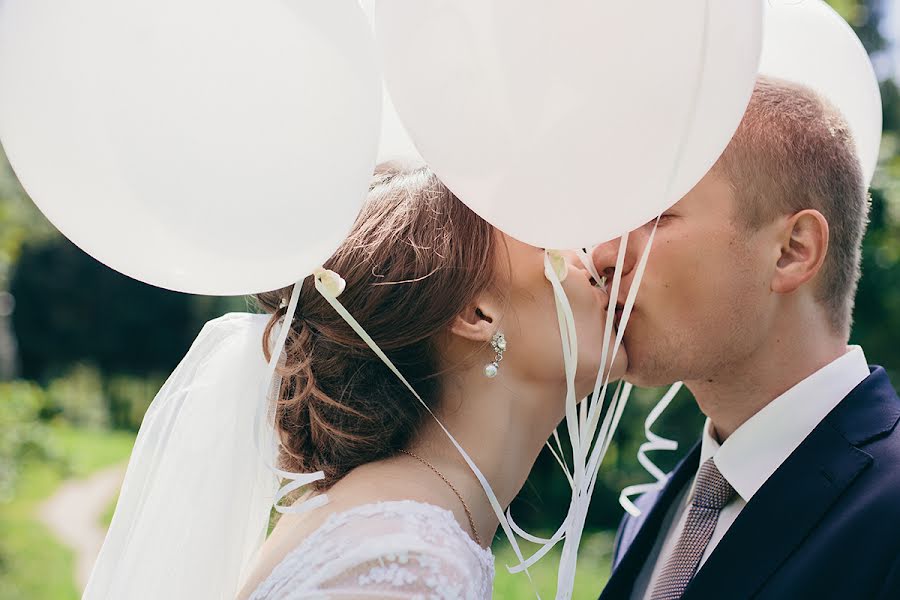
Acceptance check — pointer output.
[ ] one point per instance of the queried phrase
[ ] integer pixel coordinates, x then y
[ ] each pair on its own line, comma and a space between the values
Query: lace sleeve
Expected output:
398, 550
407, 575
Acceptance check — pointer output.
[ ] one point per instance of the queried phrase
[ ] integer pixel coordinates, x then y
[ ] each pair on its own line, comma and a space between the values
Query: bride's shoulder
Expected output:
401, 546
404, 520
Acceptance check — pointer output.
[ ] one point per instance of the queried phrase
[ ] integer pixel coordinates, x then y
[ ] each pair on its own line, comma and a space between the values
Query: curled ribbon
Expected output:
654, 442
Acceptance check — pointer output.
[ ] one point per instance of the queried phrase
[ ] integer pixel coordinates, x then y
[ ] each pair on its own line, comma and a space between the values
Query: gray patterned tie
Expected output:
711, 493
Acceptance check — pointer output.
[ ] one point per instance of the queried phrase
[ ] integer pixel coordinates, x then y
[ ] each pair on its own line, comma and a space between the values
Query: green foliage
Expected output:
890, 100
49, 426
20, 221
865, 16
70, 308
109, 511
128, 398
877, 311
90, 450
594, 565
78, 398
544, 499
23, 438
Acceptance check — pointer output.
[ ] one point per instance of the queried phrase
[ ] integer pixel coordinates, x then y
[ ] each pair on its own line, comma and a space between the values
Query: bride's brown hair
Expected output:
415, 258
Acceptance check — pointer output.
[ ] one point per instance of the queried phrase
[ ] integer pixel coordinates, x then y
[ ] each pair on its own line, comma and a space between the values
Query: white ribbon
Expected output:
654, 442
585, 430
270, 391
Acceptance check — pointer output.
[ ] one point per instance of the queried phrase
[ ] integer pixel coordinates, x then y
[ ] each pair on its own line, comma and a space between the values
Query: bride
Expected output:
394, 508
468, 317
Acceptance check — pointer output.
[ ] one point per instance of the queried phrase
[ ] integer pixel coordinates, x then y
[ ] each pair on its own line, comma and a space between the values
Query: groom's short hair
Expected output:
794, 151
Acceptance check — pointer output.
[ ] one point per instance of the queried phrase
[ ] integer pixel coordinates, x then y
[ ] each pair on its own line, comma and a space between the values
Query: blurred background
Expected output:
83, 350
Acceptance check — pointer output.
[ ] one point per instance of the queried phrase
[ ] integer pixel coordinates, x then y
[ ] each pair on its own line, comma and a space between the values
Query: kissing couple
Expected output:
793, 490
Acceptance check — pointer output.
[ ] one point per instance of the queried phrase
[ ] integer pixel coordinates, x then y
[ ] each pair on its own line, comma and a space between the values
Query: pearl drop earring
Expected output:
498, 343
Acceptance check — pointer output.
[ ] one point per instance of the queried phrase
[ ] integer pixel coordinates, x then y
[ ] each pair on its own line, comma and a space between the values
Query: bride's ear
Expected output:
477, 322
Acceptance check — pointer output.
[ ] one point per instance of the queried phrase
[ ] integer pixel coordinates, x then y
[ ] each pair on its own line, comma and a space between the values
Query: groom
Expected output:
793, 490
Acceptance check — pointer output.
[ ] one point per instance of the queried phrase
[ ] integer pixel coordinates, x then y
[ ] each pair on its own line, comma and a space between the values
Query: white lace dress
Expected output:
400, 549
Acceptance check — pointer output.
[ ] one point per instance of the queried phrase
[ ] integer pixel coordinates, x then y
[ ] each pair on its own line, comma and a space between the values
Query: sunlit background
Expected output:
83, 351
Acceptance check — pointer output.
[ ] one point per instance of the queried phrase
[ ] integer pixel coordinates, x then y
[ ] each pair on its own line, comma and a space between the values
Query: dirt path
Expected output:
73, 514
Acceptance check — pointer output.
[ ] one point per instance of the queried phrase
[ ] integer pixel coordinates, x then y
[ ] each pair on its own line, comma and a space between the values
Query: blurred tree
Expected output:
70, 308
877, 312
19, 221
890, 98
865, 16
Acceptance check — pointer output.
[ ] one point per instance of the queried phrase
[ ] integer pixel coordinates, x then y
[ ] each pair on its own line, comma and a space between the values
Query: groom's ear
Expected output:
804, 244
477, 321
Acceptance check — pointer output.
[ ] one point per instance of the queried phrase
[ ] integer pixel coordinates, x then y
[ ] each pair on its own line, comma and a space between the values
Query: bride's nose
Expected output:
573, 260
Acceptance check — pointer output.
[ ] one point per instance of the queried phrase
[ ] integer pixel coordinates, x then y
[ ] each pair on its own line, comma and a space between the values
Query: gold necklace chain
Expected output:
455, 491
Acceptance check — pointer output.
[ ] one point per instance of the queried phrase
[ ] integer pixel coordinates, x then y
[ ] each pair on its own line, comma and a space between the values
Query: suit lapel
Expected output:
779, 516
799, 494
624, 575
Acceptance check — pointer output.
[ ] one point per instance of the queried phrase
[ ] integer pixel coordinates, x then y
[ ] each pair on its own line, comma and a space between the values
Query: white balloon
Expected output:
809, 43
206, 146
395, 143
567, 123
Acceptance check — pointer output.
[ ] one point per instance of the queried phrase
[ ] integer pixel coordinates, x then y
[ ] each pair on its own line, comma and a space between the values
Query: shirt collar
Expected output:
758, 447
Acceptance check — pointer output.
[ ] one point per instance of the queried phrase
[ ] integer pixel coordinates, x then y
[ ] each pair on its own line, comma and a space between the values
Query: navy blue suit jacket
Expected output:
826, 524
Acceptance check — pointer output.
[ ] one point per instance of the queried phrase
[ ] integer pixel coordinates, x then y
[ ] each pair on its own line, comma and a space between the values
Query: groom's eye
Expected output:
659, 219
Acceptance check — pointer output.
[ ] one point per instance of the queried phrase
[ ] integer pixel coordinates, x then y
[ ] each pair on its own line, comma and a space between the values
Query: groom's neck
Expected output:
740, 389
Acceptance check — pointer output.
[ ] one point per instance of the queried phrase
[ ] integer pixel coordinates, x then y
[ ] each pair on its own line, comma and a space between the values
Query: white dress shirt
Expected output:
754, 452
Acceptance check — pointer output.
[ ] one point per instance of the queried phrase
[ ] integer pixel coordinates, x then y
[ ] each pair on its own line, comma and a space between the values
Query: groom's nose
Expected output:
604, 257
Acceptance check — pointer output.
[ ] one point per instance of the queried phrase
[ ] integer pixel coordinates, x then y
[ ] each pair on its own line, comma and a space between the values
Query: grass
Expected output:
89, 451
33, 565
106, 517
593, 570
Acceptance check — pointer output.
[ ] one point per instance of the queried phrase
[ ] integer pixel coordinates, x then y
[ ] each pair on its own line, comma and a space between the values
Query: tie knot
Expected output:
711, 489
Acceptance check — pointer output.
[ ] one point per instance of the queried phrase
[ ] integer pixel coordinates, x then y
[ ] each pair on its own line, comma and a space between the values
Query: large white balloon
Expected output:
206, 146
566, 123
395, 143
809, 43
